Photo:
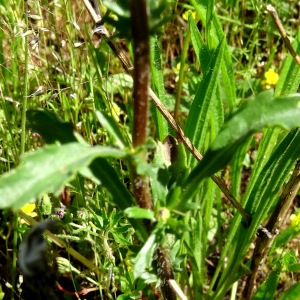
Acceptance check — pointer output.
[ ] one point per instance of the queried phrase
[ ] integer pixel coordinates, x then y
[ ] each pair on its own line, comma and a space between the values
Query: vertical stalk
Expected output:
22, 150
141, 50
140, 33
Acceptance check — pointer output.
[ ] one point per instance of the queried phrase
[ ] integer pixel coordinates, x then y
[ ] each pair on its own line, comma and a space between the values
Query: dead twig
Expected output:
272, 11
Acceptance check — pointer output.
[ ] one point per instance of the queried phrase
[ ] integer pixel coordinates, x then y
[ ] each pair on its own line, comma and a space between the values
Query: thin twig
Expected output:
275, 221
272, 11
156, 101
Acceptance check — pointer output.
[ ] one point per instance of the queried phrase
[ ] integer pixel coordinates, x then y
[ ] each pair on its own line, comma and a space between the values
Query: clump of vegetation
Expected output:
170, 177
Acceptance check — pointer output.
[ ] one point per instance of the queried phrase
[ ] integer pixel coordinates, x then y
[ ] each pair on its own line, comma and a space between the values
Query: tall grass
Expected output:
209, 223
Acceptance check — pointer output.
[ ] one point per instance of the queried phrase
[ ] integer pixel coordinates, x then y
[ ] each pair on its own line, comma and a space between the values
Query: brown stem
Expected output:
141, 71
272, 11
275, 221
102, 32
165, 272
140, 34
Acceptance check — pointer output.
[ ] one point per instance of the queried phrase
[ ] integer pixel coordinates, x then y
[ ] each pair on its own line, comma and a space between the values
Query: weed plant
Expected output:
140, 213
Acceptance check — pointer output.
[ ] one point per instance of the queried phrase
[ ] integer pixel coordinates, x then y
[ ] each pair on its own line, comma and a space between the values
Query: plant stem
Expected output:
22, 150
275, 221
272, 11
102, 31
140, 34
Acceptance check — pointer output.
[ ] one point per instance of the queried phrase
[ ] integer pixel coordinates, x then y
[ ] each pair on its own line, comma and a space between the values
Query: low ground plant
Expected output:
175, 176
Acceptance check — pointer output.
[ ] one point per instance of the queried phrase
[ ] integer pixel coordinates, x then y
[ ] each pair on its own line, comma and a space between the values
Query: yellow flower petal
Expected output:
271, 77
29, 209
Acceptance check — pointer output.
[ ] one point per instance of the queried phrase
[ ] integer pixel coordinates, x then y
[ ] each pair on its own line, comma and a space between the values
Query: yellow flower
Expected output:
185, 15
128, 262
295, 221
29, 209
116, 112
271, 79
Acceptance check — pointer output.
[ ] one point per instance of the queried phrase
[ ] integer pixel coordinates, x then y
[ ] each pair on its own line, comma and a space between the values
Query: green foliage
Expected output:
78, 141
263, 111
59, 165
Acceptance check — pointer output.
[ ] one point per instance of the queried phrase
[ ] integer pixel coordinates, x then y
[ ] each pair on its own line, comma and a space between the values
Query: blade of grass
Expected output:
158, 84
215, 37
273, 175
198, 118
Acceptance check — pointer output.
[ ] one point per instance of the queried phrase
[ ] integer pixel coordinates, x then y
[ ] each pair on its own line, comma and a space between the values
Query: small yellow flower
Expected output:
29, 209
128, 262
116, 112
295, 221
185, 15
271, 79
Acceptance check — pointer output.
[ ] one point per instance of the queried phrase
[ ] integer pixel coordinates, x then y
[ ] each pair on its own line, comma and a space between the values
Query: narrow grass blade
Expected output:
266, 192
267, 290
201, 50
198, 118
157, 79
215, 35
289, 79
112, 127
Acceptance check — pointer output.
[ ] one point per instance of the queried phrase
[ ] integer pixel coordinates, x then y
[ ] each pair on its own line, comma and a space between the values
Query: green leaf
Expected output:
199, 115
262, 111
112, 127
48, 170
143, 259
268, 288
50, 127
289, 79
157, 80
292, 293
200, 48
264, 194
100, 170
215, 35
139, 213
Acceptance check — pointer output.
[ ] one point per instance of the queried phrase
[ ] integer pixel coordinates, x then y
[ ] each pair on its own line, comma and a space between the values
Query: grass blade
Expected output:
198, 119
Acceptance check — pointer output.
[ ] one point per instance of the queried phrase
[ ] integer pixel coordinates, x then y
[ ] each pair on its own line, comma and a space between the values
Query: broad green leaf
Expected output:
100, 170
48, 170
118, 82
267, 290
42, 121
199, 115
144, 258
262, 111
139, 213
112, 127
